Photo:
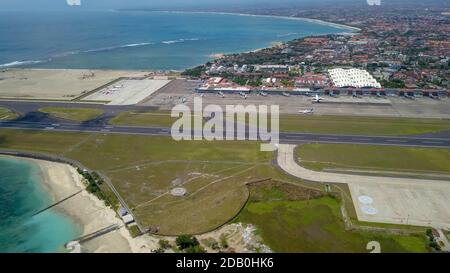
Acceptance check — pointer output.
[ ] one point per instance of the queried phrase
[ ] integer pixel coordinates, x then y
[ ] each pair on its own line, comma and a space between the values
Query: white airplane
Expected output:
243, 95
317, 99
221, 94
434, 97
307, 111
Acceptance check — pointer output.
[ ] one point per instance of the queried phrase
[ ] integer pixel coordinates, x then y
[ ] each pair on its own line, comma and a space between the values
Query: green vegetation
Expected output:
6, 114
368, 157
134, 231
194, 72
189, 244
75, 114
143, 118
144, 169
94, 182
244, 81
313, 124
314, 224
49, 142
432, 241
393, 84
223, 241
164, 244
361, 125
211, 243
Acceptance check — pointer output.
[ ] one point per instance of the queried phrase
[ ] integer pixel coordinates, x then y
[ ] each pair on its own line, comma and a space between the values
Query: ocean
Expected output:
133, 40
22, 194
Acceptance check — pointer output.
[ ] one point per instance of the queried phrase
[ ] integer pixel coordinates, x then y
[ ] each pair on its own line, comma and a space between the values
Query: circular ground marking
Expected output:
178, 192
369, 210
366, 200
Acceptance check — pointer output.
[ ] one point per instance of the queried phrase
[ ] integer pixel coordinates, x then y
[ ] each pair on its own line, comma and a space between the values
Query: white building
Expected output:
352, 78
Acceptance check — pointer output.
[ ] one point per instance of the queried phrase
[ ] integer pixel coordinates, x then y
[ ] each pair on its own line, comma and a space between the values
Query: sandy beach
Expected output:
88, 212
55, 84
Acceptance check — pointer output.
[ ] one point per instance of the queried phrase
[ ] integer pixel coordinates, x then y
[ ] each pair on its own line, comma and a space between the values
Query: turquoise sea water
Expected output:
22, 194
137, 40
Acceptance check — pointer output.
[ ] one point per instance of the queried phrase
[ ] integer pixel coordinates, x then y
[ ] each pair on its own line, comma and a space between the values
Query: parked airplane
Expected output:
355, 95
243, 95
409, 97
434, 97
307, 111
317, 99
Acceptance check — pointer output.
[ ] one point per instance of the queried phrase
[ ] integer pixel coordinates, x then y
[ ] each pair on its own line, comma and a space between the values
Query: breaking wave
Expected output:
179, 41
76, 52
19, 63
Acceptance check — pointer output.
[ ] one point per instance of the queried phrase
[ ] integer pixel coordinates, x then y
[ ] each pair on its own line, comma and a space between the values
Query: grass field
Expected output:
314, 224
362, 125
142, 118
6, 114
75, 114
313, 124
368, 157
144, 169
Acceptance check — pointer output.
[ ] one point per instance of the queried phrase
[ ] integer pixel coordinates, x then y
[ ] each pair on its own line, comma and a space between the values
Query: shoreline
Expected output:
85, 210
310, 20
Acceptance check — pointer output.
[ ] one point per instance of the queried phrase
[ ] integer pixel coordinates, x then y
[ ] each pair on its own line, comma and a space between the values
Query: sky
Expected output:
118, 4
114, 4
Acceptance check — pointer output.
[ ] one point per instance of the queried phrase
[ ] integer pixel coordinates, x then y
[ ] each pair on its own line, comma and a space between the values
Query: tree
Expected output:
186, 241
195, 249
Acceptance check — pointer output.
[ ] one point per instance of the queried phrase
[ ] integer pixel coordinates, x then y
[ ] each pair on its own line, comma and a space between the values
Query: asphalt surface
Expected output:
100, 127
31, 119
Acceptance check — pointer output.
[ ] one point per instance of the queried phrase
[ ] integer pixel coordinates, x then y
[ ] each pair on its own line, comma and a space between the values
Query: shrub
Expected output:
186, 241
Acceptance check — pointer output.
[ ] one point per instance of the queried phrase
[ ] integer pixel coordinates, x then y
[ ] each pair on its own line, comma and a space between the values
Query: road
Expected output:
285, 137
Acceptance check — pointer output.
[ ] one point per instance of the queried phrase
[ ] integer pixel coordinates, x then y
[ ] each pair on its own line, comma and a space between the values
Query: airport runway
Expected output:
289, 138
